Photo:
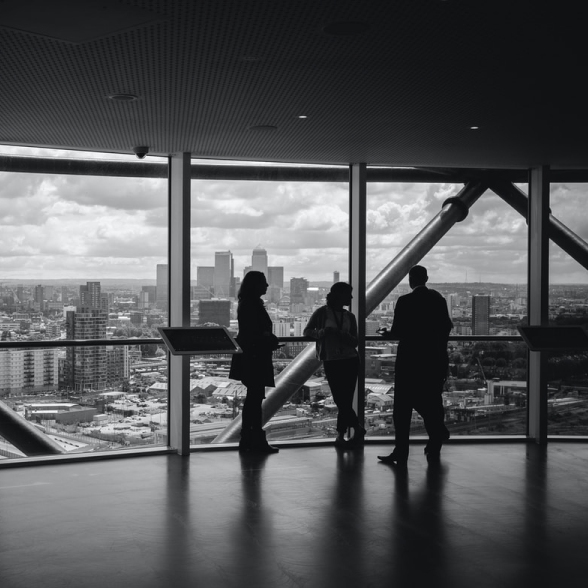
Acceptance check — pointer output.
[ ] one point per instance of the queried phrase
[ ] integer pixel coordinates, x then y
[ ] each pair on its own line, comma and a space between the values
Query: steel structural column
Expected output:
179, 299
453, 210
302, 367
563, 237
24, 435
357, 265
538, 302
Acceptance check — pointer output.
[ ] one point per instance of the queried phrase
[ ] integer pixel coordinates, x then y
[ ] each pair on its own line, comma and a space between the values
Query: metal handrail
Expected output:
158, 341
78, 343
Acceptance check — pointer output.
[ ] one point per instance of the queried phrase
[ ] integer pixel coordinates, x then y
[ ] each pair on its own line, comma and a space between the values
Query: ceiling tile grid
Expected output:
404, 92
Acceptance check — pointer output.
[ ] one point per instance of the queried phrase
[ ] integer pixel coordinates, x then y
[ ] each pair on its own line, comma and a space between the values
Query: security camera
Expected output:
140, 152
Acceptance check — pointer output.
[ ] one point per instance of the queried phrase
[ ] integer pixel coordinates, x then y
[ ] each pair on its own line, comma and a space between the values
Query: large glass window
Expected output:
78, 260
480, 267
567, 371
296, 233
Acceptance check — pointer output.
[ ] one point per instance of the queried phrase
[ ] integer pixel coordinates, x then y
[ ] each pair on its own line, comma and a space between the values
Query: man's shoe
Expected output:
433, 449
394, 459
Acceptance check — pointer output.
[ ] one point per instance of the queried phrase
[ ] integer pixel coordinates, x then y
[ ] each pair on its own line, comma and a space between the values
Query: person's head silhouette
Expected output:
417, 276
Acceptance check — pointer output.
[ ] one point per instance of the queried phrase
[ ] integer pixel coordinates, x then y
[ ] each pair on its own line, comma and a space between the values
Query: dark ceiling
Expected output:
230, 79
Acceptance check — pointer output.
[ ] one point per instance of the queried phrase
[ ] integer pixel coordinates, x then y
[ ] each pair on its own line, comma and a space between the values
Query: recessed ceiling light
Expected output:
123, 97
474, 128
263, 128
346, 28
302, 116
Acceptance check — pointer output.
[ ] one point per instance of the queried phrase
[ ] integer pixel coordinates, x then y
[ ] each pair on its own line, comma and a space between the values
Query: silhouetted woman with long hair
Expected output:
254, 366
335, 331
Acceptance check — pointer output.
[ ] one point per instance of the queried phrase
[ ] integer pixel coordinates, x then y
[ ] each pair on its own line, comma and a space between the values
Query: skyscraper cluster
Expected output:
220, 281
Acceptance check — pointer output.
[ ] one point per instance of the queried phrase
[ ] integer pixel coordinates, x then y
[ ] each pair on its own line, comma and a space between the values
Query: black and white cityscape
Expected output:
114, 396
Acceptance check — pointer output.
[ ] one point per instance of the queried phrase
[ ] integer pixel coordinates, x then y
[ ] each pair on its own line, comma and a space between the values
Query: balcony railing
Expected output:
482, 397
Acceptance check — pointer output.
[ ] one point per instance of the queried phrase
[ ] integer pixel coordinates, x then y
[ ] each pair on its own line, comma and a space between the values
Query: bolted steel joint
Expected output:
460, 204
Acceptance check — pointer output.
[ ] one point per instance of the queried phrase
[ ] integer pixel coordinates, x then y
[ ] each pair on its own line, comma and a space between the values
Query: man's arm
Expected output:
397, 328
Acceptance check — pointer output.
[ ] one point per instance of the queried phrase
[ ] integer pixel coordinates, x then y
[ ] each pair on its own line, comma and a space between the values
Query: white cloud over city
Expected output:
100, 227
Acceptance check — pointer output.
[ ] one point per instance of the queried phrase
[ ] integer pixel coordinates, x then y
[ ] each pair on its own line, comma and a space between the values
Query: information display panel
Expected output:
198, 340
555, 338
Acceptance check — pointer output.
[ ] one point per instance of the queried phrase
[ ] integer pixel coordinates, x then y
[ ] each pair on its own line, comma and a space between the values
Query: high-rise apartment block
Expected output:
117, 364
28, 370
481, 315
91, 296
86, 367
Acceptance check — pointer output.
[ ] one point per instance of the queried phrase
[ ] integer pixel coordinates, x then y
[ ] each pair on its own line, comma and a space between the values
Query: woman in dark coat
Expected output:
254, 366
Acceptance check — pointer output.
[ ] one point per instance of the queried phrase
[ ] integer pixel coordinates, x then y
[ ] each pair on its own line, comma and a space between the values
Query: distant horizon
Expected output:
325, 283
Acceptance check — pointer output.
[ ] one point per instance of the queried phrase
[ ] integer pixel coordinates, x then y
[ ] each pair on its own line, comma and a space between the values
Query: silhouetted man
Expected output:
421, 325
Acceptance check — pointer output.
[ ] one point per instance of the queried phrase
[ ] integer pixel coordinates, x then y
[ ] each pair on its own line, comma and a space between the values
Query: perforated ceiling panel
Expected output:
228, 79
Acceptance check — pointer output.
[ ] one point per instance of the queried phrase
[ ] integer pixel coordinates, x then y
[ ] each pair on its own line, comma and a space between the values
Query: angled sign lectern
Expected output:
555, 338
198, 340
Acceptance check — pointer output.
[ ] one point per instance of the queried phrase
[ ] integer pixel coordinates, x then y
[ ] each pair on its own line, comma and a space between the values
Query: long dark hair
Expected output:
250, 285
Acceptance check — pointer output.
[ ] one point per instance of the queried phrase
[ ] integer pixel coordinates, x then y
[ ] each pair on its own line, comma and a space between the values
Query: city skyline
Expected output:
74, 227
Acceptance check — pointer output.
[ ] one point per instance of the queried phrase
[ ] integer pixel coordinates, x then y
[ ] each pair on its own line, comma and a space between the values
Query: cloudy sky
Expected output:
97, 228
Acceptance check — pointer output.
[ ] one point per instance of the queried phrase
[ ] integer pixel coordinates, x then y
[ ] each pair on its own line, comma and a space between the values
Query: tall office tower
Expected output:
336, 277
223, 274
281, 329
205, 277
20, 292
85, 367
259, 260
480, 315
275, 276
161, 285
217, 312
64, 294
38, 294
298, 290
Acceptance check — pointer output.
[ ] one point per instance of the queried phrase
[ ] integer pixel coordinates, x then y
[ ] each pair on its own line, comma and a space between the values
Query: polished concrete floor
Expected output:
500, 515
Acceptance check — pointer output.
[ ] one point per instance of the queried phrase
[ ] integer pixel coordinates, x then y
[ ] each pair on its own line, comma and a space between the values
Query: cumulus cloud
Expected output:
82, 227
